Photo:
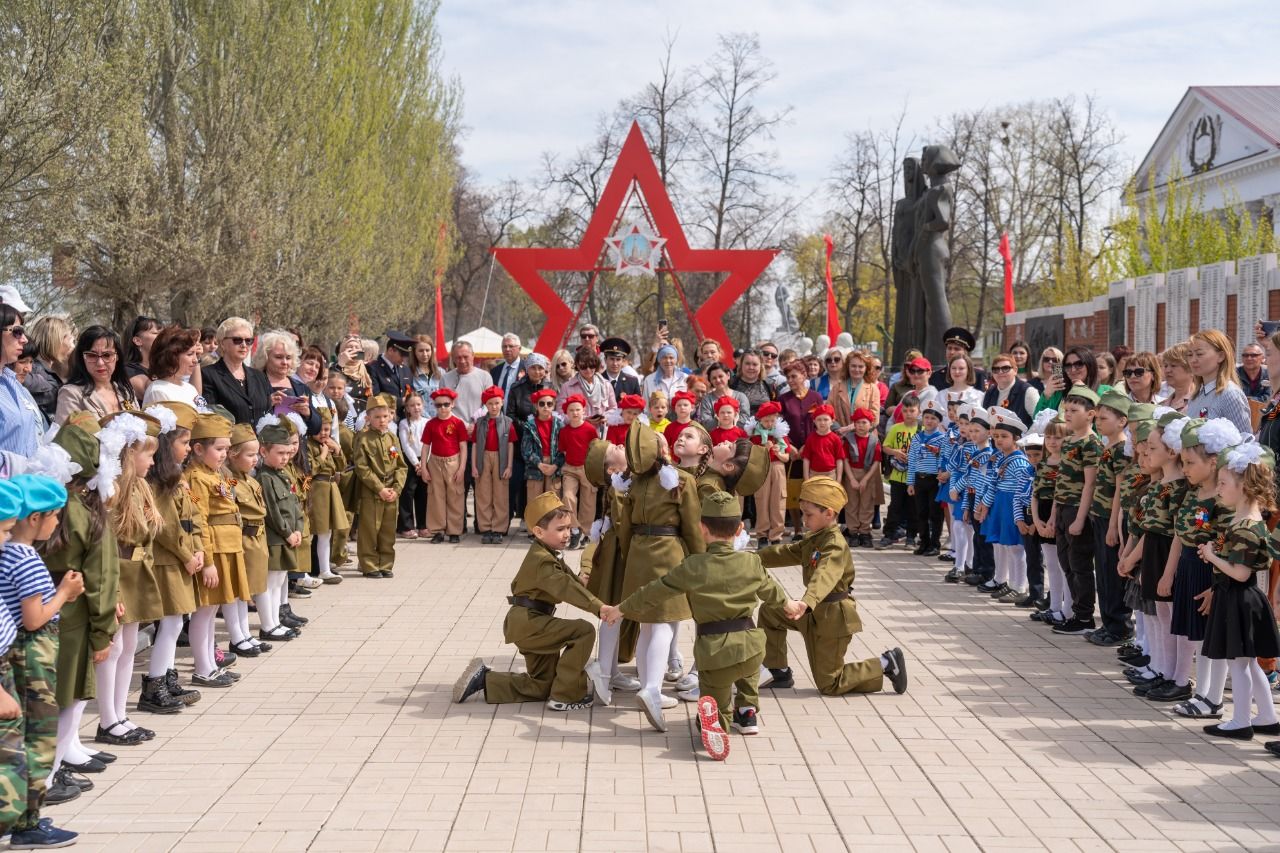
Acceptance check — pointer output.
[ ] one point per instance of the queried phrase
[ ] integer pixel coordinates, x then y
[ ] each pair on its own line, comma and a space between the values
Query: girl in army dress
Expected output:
242, 459
325, 509
1242, 627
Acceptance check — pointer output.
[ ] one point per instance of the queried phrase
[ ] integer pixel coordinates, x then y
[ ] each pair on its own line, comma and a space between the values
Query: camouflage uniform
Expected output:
33, 660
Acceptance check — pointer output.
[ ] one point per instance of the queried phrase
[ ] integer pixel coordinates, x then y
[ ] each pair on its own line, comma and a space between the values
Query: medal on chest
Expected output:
814, 558
1201, 518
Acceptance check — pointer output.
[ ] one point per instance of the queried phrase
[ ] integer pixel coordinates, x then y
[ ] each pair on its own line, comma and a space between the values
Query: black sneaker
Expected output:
897, 670
973, 579
865, 541
782, 678
1107, 639
989, 586
886, 542
1074, 626
1001, 589
471, 681
918, 551
953, 576
929, 552
437, 539
60, 789
745, 722
454, 540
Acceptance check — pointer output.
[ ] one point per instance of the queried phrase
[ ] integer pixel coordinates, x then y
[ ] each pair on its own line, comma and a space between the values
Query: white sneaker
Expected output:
668, 702
603, 692
625, 683
688, 682
690, 695
309, 582
651, 704
764, 679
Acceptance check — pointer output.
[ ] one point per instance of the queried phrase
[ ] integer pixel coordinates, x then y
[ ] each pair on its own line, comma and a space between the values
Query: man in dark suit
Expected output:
511, 368
958, 341
617, 367
389, 373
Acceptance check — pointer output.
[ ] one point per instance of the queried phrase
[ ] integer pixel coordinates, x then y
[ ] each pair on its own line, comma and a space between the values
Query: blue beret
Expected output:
40, 494
10, 500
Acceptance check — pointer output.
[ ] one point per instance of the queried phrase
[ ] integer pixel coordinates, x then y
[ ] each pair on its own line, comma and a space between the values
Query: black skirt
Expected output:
1194, 577
1044, 508
1241, 623
1155, 554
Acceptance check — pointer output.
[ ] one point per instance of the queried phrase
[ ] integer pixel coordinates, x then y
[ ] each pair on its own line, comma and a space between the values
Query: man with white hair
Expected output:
512, 366
470, 384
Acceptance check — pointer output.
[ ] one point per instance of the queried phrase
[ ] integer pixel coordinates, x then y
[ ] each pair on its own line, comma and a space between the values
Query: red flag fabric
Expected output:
442, 356
833, 312
1007, 254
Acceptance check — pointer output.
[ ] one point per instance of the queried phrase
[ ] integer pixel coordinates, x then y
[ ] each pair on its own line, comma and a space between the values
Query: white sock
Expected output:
200, 633
1140, 630
607, 651
1018, 568
1241, 694
323, 541
128, 637
1002, 564
105, 675
885, 662
165, 650
1163, 641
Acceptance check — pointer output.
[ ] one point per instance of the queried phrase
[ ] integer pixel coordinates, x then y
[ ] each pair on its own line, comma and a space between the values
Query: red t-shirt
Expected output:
823, 451
731, 434
574, 442
773, 454
863, 461
444, 438
544, 435
617, 434
673, 430
491, 434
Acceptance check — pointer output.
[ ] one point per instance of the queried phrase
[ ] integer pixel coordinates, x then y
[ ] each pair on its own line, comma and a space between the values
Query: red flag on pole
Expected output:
1007, 254
833, 312
441, 352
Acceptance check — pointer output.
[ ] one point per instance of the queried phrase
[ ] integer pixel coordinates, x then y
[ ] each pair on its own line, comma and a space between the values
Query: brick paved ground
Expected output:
1010, 738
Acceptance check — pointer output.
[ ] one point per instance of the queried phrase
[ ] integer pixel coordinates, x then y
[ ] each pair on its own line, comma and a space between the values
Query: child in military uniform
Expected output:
283, 522
380, 472
1072, 496
830, 616
1111, 421
555, 650
242, 460
32, 603
325, 511
722, 586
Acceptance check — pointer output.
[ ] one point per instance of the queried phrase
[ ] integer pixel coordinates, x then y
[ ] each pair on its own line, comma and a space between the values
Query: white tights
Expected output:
69, 747
607, 652
1184, 657
1140, 631
1059, 592
165, 649
1011, 566
200, 632
962, 545
322, 554
1164, 645
237, 628
1248, 685
113, 676
1211, 678
675, 660
651, 654
1001, 554
270, 601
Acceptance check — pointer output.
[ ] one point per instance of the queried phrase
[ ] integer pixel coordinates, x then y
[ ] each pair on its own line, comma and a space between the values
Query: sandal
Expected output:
1198, 708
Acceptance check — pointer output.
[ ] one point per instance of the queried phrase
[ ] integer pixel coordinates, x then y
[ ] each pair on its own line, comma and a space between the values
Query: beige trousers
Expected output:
445, 497
579, 496
492, 510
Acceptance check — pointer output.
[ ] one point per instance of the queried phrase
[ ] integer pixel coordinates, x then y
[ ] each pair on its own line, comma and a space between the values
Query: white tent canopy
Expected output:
486, 343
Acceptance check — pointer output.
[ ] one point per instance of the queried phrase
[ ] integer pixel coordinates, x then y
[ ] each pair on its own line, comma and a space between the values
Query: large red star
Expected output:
634, 163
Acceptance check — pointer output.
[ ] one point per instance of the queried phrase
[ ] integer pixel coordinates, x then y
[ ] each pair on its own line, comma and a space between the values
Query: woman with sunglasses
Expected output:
20, 421
1009, 391
97, 382
1079, 367
1143, 378
833, 364
230, 382
562, 369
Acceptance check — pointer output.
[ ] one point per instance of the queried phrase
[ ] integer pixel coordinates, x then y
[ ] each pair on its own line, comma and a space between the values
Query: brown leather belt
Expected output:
250, 530
132, 553
727, 626
654, 530
838, 595
322, 478
543, 607
225, 518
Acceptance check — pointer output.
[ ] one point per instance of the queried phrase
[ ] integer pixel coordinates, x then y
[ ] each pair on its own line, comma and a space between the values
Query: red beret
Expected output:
493, 392
683, 395
769, 407
824, 409
631, 401
728, 401
575, 398
444, 392
542, 394
862, 415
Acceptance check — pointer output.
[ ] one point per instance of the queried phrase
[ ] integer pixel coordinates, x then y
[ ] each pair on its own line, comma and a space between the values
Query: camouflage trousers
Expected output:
33, 662
13, 759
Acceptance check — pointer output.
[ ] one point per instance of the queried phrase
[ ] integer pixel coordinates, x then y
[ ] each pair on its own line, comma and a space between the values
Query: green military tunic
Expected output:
379, 463
829, 625
720, 584
1078, 454
283, 518
325, 509
346, 489
87, 624
253, 517
139, 582
604, 560
177, 542
215, 497
648, 505
555, 650
302, 488
1111, 465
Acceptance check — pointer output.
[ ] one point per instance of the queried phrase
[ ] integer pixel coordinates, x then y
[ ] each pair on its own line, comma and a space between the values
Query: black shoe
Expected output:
263, 647
1139, 661
471, 681
953, 576
129, 737
897, 671
104, 757
782, 678
886, 542
929, 552
989, 586
1107, 639
155, 698
946, 556
148, 734
176, 690
1026, 602
246, 649
973, 579
279, 635
1146, 687
60, 789
1001, 589
288, 611
1169, 692
1216, 730
864, 540
387, 573
1128, 650
84, 783
93, 765
454, 540
1266, 728
918, 551
1074, 626
762, 543
437, 539
1273, 747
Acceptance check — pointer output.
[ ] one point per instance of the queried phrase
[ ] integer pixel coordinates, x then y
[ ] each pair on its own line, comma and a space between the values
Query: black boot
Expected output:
177, 691
156, 698
287, 611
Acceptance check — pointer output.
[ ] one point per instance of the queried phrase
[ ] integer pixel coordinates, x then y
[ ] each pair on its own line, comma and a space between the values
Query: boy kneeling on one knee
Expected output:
555, 650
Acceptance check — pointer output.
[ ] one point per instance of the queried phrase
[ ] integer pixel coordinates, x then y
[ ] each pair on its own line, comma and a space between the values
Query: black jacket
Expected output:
496, 373
519, 407
246, 402
386, 378
624, 384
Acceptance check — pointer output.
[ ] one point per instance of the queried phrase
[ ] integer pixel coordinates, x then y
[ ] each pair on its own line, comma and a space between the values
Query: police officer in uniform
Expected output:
389, 373
617, 362
958, 341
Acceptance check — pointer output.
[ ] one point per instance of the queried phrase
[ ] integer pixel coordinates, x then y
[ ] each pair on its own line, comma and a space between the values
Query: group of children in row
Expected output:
671, 547
165, 516
1135, 508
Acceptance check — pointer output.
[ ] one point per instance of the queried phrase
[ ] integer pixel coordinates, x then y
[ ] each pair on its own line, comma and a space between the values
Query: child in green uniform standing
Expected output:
380, 472
555, 650
284, 527
830, 616
722, 586
1072, 497
1111, 420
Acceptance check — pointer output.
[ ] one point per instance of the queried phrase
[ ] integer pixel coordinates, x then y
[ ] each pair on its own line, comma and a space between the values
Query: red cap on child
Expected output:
631, 401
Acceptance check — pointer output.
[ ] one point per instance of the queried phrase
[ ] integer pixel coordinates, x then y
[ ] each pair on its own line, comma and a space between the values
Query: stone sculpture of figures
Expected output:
787, 320
932, 255
908, 324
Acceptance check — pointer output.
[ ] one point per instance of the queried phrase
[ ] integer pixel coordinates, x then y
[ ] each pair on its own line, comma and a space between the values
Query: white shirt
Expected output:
469, 388
410, 430
164, 391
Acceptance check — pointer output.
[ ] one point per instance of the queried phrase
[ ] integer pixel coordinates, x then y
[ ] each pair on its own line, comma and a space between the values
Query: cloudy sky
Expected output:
537, 74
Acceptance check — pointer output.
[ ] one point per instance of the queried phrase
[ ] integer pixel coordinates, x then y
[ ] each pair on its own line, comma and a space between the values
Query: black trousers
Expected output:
984, 556
413, 504
1075, 555
1110, 586
902, 512
1035, 564
518, 496
928, 510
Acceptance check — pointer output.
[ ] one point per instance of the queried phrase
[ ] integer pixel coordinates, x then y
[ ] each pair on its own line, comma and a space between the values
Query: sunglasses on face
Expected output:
1048, 359
1131, 372
444, 404
833, 361
16, 331
1253, 355
767, 354
546, 404
1002, 368
1073, 365
100, 356
240, 342
585, 335
916, 370
873, 367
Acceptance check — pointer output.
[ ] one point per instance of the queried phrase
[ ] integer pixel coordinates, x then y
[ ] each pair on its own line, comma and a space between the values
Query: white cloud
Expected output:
536, 75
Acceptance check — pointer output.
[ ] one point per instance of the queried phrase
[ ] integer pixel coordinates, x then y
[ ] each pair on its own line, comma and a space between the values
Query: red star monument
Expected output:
634, 163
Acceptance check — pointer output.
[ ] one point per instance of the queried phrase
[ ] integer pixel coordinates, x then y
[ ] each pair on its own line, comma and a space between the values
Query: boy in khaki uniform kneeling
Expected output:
830, 618
555, 650
722, 586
